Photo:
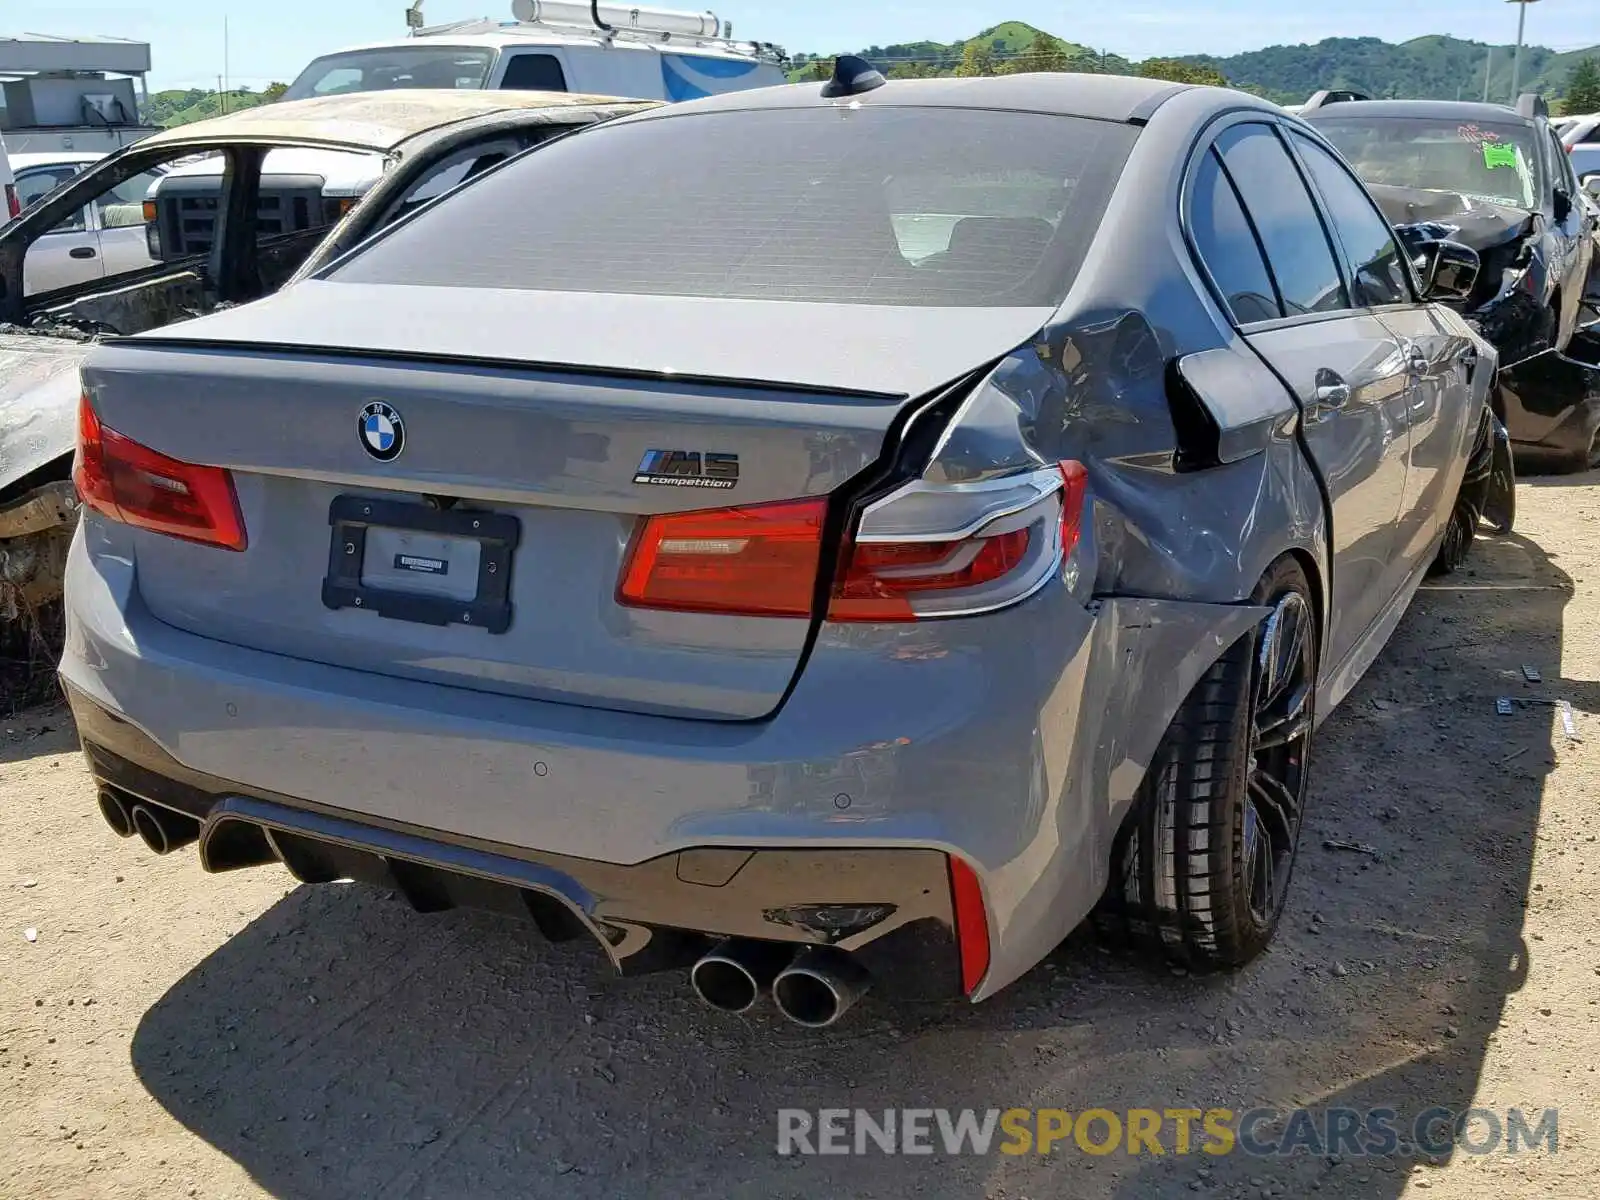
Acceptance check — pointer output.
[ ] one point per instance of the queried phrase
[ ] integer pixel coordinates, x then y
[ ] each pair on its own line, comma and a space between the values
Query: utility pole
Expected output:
1516, 63
1488, 62
225, 76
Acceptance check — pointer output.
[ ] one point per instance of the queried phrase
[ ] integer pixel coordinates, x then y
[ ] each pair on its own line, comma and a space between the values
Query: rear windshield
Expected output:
1486, 161
879, 205
391, 67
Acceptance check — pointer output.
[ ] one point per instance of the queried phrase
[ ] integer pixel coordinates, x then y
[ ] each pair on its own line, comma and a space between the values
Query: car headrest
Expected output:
1012, 236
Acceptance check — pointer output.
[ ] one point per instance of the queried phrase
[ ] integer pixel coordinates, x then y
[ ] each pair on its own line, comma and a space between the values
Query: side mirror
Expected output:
1449, 270
1563, 205
1591, 184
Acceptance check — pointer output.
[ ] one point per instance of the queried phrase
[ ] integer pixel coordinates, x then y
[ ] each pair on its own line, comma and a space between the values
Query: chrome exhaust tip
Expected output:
116, 814
164, 831
819, 987
735, 973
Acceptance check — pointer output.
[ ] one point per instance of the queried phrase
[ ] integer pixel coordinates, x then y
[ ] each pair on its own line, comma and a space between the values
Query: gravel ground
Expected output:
168, 1034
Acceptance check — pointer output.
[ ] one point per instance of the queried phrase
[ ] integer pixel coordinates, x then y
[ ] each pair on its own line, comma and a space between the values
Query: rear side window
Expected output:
31, 185
1372, 253
1561, 166
880, 205
1282, 211
534, 73
1227, 245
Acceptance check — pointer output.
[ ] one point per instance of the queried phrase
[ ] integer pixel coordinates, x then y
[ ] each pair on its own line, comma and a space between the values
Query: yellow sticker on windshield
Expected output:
1499, 154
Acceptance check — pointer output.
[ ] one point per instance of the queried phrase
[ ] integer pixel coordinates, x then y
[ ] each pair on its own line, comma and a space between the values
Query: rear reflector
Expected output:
136, 485
1074, 487
759, 561
972, 924
13, 202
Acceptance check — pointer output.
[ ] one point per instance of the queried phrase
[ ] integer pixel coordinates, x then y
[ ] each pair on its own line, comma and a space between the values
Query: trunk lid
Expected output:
564, 449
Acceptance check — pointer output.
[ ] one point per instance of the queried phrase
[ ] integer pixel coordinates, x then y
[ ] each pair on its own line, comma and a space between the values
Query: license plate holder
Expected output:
393, 529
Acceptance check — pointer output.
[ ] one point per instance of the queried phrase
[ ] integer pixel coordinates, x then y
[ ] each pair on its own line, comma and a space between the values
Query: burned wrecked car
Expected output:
1499, 180
210, 241
947, 509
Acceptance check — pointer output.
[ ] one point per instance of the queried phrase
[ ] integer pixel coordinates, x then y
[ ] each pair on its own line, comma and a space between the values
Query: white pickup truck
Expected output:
578, 47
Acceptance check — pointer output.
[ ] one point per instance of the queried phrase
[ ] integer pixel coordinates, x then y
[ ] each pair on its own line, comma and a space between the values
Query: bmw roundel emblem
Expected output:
383, 433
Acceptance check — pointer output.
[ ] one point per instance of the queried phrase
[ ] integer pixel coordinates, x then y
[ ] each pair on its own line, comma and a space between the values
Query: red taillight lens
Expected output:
759, 561
13, 202
136, 485
972, 924
763, 560
877, 580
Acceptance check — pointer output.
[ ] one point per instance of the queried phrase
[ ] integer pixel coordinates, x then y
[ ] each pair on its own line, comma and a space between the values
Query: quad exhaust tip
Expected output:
164, 831
813, 988
735, 973
116, 813
819, 987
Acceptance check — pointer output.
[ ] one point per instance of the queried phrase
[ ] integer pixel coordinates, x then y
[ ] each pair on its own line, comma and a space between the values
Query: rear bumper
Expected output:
1015, 741
891, 908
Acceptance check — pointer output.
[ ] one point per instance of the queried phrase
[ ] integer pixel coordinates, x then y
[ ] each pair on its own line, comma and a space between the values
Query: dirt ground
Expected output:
169, 1034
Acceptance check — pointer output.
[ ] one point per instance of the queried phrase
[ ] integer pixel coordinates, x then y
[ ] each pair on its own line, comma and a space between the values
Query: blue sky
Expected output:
272, 39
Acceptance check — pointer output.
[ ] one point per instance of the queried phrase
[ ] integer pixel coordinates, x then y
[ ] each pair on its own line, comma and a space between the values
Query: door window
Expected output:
1227, 245
1565, 178
534, 73
31, 185
1285, 218
122, 207
1372, 253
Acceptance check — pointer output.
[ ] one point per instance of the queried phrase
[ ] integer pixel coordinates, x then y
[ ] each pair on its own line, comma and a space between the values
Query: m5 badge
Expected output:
687, 468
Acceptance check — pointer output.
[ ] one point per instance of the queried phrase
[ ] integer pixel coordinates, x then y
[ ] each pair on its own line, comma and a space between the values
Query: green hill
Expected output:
179, 106
1434, 67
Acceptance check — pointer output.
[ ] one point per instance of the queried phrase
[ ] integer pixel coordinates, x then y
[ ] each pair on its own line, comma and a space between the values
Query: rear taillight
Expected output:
13, 202
880, 582
136, 485
926, 550
759, 561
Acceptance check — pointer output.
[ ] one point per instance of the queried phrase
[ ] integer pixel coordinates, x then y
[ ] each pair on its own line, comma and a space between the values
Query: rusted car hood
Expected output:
38, 401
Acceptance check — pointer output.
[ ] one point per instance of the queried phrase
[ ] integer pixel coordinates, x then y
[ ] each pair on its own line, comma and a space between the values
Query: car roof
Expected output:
1443, 110
374, 121
1098, 97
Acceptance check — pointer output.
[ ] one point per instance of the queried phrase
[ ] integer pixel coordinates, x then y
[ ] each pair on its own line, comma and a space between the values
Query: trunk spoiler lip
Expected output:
298, 350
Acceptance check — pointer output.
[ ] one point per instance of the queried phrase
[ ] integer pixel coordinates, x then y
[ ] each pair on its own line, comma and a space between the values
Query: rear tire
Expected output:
1471, 499
1201, 868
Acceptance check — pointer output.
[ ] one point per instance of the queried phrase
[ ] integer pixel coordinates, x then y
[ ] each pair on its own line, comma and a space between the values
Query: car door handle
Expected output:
81, 252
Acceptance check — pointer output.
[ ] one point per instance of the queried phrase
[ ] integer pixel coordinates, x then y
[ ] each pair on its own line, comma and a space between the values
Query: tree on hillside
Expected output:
273, 91
976, 60
1181, 72
1044, 54
1583, 87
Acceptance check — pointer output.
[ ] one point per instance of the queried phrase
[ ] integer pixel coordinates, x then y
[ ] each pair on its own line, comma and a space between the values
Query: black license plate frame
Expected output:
497, 534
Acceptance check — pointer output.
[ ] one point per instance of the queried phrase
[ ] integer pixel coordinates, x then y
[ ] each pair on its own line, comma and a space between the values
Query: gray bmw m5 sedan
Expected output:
813, 538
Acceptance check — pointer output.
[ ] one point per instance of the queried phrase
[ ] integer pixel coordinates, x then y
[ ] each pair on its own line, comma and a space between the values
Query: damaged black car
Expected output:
1497, 179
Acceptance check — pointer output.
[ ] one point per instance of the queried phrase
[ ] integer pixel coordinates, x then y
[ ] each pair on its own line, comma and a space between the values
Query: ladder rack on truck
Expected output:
611, 23
78, 94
